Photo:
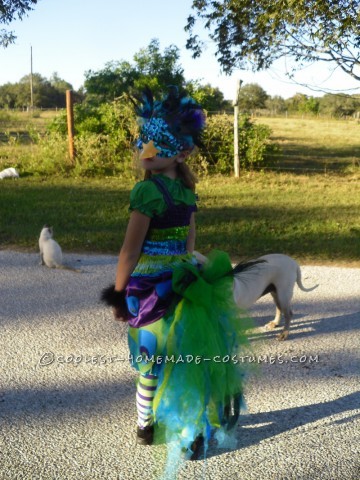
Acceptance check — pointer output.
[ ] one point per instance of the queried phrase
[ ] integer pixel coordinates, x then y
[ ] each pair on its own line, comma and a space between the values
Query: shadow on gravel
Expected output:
321, 326
54, 403
257, 427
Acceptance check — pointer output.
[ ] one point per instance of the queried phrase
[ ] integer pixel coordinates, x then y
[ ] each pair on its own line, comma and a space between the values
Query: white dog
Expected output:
275, 274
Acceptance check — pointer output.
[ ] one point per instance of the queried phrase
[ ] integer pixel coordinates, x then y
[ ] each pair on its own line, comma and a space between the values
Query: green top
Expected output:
147, 198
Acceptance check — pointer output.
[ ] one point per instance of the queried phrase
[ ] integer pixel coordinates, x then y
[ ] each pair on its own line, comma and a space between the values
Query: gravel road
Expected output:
67, 391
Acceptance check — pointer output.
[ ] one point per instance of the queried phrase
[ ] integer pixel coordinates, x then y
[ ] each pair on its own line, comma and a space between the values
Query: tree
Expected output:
150, 68
276, 104
59, 84
260, 32
294, 103
9, 11
151, 64
338, 105
252, 97
47, 93
301, 103
210, 98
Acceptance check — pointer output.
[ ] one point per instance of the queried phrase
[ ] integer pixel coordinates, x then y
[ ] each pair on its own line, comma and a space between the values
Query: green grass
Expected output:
315, 143
17, 121
17, 129
313, 218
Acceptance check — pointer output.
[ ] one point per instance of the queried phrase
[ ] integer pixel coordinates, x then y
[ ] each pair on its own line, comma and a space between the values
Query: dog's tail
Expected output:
299, 282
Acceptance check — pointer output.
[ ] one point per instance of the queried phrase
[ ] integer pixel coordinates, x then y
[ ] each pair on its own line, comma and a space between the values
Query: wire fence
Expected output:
282, 161
262, 113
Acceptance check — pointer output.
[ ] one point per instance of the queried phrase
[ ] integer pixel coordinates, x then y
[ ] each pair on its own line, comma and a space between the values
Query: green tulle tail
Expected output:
202, 369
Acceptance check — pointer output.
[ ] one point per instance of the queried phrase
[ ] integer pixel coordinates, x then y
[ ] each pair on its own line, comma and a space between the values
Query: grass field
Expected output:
315, 143
23, 121
314, 217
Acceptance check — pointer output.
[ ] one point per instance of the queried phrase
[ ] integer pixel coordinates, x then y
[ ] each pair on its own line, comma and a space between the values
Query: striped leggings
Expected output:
145, 394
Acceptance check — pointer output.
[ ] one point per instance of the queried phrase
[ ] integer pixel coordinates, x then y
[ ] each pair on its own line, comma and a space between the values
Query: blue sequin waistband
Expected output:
167, 247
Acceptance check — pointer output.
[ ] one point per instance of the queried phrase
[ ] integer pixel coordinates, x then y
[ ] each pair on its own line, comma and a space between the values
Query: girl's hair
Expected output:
184, 172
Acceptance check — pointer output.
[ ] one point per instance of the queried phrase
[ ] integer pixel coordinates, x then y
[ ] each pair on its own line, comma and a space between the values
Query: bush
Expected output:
47, 155
105, 138
218, 152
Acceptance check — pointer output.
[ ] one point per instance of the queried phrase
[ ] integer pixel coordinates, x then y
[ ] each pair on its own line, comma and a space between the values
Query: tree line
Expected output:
150, 67
158, 69
252, 98
47, 93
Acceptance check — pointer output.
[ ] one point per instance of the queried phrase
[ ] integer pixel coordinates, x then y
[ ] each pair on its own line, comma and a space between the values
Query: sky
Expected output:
71, 37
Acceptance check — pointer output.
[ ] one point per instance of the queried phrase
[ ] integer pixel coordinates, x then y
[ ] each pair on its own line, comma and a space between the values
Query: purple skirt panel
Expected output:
148, 298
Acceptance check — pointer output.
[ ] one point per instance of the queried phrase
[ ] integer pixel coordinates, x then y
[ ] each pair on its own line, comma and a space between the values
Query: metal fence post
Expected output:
70, 122
236, 131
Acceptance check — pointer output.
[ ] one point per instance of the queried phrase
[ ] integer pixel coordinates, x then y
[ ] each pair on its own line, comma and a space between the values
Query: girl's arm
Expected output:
130, 251
190, 243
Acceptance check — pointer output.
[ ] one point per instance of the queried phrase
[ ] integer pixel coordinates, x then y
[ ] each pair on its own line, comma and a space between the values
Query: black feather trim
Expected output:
245, 266
112, 297
117, 300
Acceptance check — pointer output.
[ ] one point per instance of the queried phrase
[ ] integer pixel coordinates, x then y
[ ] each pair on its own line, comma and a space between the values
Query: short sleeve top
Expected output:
147, 198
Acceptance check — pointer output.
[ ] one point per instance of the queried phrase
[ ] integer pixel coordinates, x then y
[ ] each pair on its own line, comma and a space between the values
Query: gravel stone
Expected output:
67, 391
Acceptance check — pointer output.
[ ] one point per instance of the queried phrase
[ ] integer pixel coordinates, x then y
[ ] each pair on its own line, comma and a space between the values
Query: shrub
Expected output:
47, 155
218, 151
105, 137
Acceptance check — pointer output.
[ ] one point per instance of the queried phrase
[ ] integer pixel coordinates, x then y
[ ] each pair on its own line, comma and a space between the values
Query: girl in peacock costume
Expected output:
184, 327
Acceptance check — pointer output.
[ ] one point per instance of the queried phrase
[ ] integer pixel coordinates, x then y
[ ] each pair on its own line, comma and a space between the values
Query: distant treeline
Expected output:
50, 93
159, 69
47, 93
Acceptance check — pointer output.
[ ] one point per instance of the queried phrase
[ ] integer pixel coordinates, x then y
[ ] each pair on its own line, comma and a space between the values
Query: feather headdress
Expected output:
174, 123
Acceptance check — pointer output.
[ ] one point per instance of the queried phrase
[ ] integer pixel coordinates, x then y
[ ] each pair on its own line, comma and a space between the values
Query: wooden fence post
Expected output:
70, 122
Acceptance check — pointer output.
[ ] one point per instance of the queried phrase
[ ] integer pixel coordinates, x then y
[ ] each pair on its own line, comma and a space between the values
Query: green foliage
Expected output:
46, 93
210, 98
275, 104
301, 103
251, 97
339, 105
258, 33
104, 137
10, 10
5, 117
150, 68
46, 156
312, 144
218, 154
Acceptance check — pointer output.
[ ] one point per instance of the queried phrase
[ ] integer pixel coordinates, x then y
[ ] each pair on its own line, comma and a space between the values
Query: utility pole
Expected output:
236, 130
31, 81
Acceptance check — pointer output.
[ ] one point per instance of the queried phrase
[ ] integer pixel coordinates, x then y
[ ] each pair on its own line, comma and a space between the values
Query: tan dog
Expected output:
275, 274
